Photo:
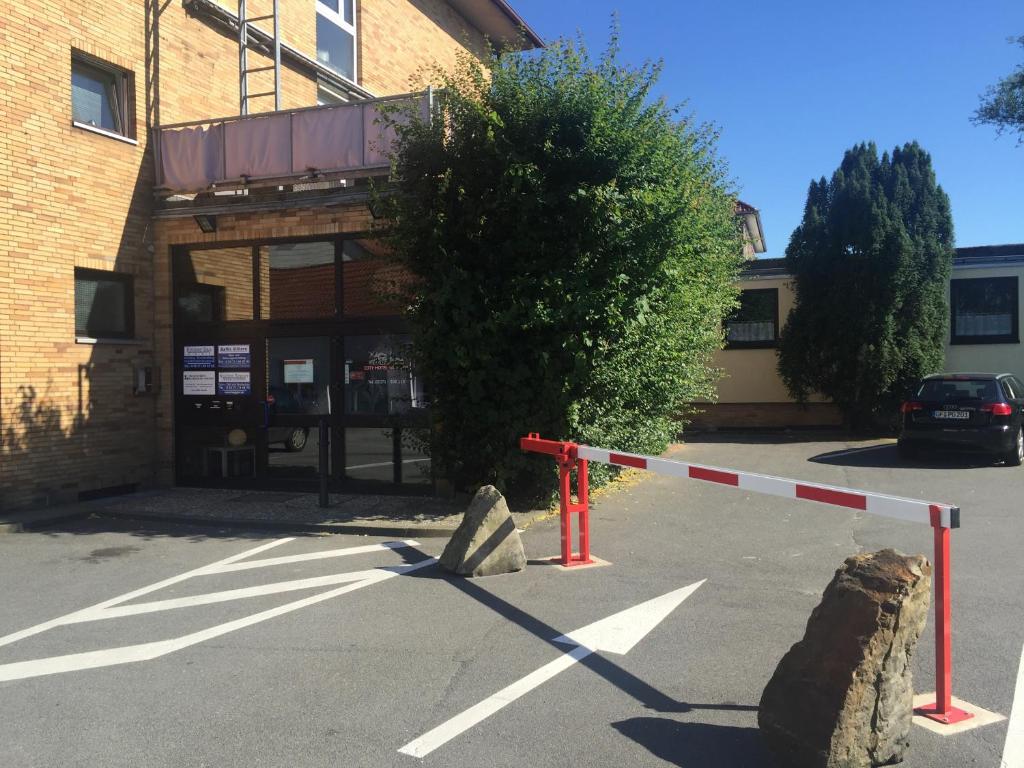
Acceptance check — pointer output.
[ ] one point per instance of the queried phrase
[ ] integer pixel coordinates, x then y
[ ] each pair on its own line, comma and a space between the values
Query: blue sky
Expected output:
791, 85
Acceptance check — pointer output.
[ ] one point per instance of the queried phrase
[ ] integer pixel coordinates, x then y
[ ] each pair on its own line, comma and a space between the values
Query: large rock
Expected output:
486, 541
841, 697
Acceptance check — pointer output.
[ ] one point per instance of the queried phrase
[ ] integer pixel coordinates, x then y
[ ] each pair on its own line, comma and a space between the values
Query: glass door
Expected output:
299, 400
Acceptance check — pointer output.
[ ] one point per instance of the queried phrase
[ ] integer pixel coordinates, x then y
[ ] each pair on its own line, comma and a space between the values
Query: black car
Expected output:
967, 411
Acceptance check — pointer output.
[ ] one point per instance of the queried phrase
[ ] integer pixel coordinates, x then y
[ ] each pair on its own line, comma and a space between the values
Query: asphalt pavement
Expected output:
262, 650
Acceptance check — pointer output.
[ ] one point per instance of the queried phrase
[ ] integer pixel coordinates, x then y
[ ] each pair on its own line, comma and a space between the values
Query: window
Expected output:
102, 97
104, 305
755, 322
200, 303
336, 36
984, 311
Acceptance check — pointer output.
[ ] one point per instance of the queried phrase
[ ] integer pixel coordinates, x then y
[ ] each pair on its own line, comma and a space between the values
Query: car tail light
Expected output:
911, 406
997, 409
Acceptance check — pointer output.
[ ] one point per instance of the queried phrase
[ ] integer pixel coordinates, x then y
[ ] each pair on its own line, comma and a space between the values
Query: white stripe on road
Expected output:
345, 552
447, 731
1013, 750
147, 651
22, 634
209, 598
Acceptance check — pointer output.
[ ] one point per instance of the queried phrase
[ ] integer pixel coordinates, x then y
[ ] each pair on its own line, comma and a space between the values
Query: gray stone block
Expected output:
486, 542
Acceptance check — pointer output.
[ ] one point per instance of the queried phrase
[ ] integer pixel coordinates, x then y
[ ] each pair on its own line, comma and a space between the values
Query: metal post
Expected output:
243, 44
942, 710
325, 460
583, 492
277, 60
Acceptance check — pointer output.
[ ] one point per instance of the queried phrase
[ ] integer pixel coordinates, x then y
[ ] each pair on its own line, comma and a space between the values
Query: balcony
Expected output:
279, 148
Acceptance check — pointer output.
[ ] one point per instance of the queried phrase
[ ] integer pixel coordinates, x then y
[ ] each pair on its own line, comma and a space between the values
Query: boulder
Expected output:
486, 542
842, 696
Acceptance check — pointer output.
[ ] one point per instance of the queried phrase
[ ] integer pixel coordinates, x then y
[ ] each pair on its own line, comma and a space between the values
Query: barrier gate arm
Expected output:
942, 518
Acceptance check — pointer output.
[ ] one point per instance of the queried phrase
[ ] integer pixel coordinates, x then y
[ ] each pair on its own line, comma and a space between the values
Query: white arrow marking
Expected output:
616, 634
1013, 749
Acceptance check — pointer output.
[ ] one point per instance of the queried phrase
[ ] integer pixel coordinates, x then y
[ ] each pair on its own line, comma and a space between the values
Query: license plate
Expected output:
952, 414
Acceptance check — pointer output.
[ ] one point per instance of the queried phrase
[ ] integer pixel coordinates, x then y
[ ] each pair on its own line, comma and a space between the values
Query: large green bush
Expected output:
574, 249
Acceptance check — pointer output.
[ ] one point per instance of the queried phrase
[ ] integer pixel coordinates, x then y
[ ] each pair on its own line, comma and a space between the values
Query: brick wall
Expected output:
69, 197
399, 38
69, 422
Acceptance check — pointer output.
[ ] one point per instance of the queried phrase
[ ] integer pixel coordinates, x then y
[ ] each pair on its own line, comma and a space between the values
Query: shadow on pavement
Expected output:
625, 681
774, 437
695, 745
154, 531
886, 456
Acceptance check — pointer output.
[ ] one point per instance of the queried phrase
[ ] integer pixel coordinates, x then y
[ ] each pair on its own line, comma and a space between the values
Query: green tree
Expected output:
1002, 104
870, 260
573, 249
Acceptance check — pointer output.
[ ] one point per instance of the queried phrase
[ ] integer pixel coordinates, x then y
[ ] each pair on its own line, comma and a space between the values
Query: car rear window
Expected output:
959, 389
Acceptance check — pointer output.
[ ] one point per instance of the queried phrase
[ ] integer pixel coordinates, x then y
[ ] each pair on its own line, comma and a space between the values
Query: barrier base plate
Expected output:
575, 565
961, 717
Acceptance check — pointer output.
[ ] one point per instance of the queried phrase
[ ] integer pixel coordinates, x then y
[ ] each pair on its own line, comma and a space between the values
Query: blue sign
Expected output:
233, 356
233, 383
198, 358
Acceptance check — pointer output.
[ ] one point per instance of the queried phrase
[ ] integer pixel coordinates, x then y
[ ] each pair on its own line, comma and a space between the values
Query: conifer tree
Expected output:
870, 260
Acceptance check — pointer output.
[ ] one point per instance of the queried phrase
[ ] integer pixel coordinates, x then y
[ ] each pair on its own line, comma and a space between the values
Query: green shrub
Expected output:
574, 249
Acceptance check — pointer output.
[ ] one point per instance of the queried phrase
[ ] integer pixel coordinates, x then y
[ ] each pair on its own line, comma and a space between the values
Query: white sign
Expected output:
199, 383
298, 371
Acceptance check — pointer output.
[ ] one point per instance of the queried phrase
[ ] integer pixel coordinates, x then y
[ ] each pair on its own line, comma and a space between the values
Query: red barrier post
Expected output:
942, 710
566, 457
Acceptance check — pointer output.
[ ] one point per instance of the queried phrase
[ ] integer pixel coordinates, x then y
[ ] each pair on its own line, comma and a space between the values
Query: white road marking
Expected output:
209, 598
148, 651
447, 731
1013, 749
345, 552
617, 633
21, 634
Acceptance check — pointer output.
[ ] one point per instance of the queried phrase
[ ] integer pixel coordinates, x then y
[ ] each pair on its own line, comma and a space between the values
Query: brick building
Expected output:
189, 303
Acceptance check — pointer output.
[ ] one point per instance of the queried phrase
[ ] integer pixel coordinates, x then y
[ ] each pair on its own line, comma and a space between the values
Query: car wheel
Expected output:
906, 451
1015, 457
296, 440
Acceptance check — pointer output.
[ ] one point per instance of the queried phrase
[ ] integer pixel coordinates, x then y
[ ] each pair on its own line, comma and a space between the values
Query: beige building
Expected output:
984, 336
189, 290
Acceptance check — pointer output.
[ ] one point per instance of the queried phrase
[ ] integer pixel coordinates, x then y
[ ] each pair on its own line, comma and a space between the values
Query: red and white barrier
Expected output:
941, 517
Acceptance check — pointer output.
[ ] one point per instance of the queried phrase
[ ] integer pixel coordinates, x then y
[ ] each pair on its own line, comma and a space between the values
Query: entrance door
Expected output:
300, 396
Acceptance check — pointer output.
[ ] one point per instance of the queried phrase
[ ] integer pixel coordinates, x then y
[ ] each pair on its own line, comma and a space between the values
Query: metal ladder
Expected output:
243, 59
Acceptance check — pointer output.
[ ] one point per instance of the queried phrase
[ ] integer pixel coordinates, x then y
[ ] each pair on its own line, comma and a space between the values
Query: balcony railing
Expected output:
279, 147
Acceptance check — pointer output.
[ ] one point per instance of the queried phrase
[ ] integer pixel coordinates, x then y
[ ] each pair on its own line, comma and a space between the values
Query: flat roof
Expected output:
977, 255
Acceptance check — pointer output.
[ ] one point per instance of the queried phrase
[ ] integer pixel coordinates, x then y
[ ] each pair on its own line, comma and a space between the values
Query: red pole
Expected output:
583, 491
943, 630
564, 497
942, 710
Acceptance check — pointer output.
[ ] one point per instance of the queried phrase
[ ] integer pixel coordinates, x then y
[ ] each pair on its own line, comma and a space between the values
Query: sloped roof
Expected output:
500, 22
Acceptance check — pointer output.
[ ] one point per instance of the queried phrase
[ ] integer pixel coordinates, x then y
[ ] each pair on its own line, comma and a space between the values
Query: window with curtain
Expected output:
101, 96
104, 305
755, 322
984, 310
